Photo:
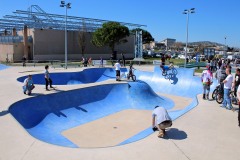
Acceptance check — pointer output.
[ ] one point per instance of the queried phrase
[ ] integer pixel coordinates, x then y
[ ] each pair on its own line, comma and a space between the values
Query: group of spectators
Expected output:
226, 81
86, 61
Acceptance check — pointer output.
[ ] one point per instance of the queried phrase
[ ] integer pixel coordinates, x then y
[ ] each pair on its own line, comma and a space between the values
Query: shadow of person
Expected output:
59, 114
36, 94
57, 90
3, 113
172, 77
81, 109
174, 133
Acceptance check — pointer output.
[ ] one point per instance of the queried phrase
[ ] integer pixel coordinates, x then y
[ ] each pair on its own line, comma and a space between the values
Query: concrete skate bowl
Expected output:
2, 67
90, 75
99, 116
104, 115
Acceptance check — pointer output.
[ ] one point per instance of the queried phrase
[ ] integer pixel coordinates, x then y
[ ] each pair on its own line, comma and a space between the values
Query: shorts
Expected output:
165, 124
117, 72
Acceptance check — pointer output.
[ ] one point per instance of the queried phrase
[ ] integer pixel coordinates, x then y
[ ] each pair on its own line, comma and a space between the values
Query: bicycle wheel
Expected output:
168, 76
133, 77
219, 98
233, 98
214, 94
174, 71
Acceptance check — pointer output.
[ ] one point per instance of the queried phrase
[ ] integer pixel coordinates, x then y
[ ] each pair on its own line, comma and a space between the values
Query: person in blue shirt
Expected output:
28, 85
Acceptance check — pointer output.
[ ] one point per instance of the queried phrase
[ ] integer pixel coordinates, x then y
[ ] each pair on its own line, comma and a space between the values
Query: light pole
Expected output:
187, 11
225, 42
68, 6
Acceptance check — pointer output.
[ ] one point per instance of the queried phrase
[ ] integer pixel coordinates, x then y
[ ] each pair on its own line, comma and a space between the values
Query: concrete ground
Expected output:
206, 132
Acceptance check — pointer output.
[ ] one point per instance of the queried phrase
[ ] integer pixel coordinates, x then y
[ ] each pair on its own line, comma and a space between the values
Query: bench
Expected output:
63, 65
98, 63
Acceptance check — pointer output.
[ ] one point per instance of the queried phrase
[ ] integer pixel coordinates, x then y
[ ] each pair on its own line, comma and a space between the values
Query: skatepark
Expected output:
91, 116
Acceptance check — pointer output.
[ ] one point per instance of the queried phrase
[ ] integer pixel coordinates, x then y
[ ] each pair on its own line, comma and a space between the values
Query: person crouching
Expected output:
28, 85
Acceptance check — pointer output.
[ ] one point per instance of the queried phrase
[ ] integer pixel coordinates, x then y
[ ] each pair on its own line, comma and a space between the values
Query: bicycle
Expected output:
169, 68
131, 74
219, 96
215, 91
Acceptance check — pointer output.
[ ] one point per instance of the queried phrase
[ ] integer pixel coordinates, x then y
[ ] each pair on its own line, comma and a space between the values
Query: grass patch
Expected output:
200, 70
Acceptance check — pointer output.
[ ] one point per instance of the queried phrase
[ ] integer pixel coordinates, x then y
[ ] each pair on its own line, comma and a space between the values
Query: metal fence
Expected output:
13, 39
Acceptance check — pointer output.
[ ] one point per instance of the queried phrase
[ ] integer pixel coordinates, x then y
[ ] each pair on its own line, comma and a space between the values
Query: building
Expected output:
38, 35
168, 42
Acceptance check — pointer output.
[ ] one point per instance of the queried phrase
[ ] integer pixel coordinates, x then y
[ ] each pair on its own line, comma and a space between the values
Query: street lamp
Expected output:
68, 6
225, 42
187, 11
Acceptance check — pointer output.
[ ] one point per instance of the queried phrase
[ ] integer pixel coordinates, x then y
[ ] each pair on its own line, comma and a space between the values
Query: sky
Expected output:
213, 21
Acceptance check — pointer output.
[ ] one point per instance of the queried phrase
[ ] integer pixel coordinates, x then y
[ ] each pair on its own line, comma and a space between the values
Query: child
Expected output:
131, 69
47, 78
117, 68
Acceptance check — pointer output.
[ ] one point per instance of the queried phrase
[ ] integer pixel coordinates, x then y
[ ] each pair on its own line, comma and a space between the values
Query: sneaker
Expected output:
51, 87
47, 90
161, 134
24, 92
229, 108
223, 106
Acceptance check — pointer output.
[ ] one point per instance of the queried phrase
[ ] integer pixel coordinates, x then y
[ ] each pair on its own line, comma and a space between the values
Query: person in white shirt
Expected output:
160, 120
206, 79
238, 96
117, 68
227, 88
28, 85
48, 80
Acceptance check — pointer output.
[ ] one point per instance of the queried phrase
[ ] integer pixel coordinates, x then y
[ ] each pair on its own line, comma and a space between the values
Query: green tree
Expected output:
82, 38
146, 36
110, 34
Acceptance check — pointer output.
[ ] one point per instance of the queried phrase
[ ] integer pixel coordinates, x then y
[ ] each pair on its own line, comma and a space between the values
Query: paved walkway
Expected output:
206, 132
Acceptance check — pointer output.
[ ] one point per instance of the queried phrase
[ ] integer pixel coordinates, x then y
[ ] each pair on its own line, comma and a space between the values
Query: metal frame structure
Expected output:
37, 18
138, 44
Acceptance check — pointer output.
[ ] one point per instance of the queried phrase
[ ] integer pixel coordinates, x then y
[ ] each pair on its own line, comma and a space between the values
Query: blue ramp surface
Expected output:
89, 75
2, 66
45, 117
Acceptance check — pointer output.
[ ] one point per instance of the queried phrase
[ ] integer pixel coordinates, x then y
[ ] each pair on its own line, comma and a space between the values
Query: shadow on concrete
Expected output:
57, 90
60, 114
36, 94
174, 133
3, 113
236, 109
81, 109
